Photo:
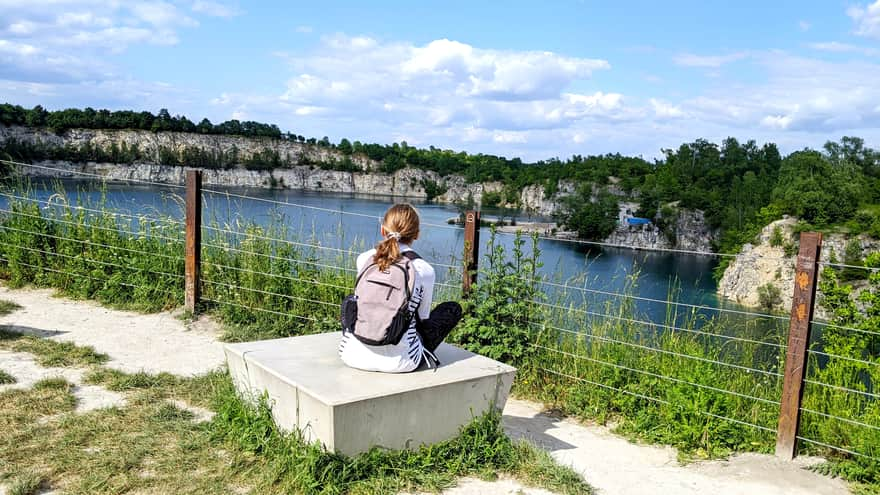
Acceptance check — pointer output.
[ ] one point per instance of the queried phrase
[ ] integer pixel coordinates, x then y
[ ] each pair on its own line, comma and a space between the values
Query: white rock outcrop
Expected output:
760, 264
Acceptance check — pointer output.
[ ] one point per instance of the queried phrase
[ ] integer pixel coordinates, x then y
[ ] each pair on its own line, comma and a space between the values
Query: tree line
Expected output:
740, 186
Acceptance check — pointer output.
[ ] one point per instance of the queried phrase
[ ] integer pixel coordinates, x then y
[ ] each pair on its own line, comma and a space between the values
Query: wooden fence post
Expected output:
471, 250
193, 247
802, 304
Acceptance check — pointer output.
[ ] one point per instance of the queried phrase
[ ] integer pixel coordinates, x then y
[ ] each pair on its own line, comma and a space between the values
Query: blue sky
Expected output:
526, 79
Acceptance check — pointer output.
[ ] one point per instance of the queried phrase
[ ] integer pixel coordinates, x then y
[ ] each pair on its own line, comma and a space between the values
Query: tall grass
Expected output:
257, 286
707, 385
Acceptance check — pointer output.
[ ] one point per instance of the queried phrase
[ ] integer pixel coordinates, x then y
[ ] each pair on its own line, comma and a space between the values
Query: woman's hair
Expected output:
401, 223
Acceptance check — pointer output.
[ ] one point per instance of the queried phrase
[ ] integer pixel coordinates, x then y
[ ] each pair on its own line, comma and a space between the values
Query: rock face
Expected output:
296, 175
689, 231
149, 144
760, 263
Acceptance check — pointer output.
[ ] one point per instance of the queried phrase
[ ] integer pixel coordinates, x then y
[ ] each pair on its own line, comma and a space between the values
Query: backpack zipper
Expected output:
391, 288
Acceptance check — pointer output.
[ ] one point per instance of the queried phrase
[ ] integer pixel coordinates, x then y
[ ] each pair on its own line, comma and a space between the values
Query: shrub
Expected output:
776, 238
769, 296
501, 308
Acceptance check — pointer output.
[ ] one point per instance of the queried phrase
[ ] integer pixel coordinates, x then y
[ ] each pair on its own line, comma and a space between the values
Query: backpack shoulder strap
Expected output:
411, 255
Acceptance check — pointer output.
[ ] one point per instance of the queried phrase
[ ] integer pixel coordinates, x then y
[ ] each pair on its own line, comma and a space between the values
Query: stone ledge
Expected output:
350, 410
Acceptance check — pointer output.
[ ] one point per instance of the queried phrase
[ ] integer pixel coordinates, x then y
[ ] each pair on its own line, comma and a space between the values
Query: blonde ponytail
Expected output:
401, 224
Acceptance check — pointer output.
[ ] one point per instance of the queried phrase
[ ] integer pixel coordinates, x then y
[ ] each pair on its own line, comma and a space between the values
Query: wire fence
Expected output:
589, 355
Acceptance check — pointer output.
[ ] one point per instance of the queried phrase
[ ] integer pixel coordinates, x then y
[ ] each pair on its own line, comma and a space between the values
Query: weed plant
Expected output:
6, 378
707, 385
259, 283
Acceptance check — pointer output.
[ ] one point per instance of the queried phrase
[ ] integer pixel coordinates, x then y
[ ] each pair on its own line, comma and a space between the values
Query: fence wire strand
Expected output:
834, 447
843, 327
844, 265
269, 293
656, 375
662, 325
250, 308
72, 274
92, 226
838, 418
274, 275
89, 260
89, 242
842, 389
93, 210
93, 176
661, 301
276, 257
844, 358
655, 349
655, 399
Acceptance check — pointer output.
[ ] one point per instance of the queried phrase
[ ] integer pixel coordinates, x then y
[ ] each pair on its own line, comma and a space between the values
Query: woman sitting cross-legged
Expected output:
388, 324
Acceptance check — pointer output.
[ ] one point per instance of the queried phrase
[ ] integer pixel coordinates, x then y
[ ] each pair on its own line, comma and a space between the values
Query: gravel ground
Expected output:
613, 465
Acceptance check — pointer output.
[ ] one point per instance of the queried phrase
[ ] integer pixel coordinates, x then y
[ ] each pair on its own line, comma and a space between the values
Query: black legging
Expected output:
440, 322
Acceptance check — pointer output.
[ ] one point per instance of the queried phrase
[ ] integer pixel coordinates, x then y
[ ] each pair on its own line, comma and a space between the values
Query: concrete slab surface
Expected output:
352, 410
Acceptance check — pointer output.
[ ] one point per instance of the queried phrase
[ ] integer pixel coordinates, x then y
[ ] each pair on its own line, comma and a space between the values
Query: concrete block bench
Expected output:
350, 410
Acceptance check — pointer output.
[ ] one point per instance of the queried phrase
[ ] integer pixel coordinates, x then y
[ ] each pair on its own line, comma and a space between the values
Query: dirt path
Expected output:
157, 343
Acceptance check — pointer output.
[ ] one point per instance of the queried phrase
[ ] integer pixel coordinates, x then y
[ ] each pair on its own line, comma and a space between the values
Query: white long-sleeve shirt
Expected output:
407, 354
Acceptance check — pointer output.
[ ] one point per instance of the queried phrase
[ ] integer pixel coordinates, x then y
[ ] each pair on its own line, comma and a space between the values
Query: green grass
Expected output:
152, 445
50, 353
8, 307
6, 378
261, 288
25, 483
290, 465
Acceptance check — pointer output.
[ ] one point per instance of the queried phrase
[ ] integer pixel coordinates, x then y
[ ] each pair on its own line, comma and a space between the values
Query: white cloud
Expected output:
509, 137
800, 94
777, 121
804, 25
707, 61
160, 14
304, 29
215, 9
838, 47
444, 83
867, 19
63, 50
664, 110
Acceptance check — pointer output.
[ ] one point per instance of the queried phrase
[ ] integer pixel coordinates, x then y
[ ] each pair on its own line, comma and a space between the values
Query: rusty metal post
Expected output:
802, 304
471, 250
193, 247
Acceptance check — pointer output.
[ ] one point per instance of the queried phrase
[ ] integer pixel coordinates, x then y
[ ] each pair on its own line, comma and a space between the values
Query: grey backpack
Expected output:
381, 309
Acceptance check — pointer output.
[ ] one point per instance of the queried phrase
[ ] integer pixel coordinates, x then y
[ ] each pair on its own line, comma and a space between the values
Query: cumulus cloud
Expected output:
665, 110
63, 50
445, 82
866, 19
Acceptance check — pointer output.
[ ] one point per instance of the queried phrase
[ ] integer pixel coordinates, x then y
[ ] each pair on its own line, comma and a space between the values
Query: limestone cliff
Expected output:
687, 230
761, 263
297, 174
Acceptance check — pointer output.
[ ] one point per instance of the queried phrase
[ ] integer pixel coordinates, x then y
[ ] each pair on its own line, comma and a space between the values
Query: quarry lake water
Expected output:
348, 221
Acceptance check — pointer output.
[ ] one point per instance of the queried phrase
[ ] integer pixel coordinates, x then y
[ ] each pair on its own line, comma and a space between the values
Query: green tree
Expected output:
592, 218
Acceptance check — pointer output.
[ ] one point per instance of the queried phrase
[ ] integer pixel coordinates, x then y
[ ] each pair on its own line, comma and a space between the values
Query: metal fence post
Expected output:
802, 304
471, 250
193, 247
